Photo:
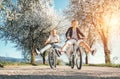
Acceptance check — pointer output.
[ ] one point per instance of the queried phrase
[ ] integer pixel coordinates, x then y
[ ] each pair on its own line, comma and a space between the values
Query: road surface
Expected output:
61, 72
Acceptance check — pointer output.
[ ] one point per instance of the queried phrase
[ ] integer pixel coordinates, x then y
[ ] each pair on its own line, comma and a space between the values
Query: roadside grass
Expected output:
8, 63
104, 65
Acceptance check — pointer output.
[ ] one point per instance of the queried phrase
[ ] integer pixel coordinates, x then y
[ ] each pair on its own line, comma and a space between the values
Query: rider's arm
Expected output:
58, 39
48, 40
80, 32
68, 34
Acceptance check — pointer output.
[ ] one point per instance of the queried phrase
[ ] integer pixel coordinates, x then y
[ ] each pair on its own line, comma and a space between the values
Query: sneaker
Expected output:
59, 53
37, 51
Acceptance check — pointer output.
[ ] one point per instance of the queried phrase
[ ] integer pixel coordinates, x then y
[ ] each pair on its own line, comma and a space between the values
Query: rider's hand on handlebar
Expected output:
56, 42
45, 43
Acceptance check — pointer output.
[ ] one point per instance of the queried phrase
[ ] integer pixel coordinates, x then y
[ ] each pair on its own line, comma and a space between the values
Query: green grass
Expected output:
8, 63
100, 65
104, 65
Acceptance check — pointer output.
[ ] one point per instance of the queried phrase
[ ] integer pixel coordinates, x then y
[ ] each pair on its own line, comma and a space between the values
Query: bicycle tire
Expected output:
78, 59
72, 61
52, 59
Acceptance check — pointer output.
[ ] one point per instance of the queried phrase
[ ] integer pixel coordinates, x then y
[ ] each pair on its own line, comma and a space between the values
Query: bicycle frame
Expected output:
52, 56
75, 53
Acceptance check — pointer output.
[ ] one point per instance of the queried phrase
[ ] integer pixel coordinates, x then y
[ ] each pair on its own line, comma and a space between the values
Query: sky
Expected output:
60, 5
8, 50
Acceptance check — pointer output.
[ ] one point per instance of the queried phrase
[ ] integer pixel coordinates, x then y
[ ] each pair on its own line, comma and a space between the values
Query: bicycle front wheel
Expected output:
78, 59
72, 62
52, 59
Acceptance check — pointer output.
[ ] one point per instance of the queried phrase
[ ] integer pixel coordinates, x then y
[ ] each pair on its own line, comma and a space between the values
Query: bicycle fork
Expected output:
74, 50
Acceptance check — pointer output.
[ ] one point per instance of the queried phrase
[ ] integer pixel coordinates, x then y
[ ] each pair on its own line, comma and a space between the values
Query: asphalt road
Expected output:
61, 72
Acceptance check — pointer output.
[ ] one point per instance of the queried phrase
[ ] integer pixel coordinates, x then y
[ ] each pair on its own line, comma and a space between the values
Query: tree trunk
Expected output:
44, 60
33, 54
86, 59
107, 55
106, 50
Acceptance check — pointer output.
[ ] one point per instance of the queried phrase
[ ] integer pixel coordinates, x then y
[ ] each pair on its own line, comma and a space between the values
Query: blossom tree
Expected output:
28, 23
97, 15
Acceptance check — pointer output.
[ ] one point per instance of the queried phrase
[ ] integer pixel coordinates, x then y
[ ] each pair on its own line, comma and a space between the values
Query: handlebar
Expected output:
53, 44
76, 39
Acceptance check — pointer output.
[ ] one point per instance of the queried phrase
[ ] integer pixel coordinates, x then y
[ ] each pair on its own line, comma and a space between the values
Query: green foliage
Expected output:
59, 62
67, 64
9, 63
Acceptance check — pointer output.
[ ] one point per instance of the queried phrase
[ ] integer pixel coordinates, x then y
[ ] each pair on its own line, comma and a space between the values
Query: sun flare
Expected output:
112, 20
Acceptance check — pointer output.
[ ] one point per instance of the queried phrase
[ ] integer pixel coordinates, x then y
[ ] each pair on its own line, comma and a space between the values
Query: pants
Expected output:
71, 42
48, 46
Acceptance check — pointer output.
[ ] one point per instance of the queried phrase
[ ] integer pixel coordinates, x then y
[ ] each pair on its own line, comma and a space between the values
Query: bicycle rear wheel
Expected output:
52, 59
78, 59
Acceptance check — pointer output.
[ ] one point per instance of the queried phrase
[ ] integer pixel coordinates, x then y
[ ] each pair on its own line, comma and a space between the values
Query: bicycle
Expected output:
76, 57
52, 56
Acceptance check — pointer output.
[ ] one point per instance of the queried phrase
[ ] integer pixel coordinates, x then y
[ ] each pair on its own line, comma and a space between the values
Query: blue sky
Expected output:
8, 50
60, 4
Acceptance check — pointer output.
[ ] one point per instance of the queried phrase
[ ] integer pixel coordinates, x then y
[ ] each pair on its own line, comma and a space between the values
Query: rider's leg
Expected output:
57, 46
69, 53
85, 45
58, 49
45, 48
64, 47
68, 43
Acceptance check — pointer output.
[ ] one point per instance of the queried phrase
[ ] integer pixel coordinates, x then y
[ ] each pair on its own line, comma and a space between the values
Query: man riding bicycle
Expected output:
53, 38
73, 37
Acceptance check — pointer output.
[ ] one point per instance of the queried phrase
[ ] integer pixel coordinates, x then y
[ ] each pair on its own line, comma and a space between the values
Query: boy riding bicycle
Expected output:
73, 36
53, 38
